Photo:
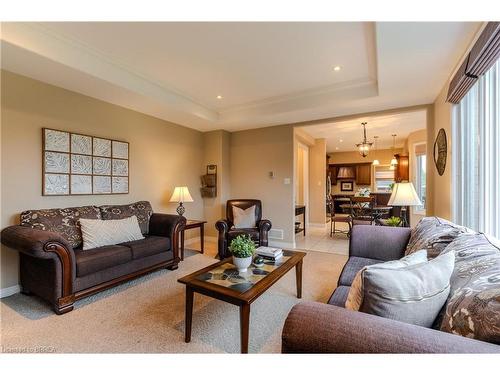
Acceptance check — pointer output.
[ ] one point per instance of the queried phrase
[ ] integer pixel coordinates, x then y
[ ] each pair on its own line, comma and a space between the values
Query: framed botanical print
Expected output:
78, 164
346, 186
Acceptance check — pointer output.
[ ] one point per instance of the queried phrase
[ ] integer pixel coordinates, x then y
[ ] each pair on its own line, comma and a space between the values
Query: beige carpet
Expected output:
146, 315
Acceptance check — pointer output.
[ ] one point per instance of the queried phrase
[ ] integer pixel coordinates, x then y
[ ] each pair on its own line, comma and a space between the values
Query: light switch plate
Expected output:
286, 181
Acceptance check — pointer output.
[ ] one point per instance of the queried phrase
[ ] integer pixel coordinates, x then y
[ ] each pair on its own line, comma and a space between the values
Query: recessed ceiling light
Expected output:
341, 140
336, 68
336, 148
219, 96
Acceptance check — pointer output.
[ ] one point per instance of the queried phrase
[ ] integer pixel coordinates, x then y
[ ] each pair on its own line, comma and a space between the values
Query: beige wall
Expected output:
216, 151
255, 153
414, 138
384, 156
162, 154
317, 182
440, 186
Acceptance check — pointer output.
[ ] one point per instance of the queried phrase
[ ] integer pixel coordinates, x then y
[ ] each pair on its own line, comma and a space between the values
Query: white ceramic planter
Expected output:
242, 263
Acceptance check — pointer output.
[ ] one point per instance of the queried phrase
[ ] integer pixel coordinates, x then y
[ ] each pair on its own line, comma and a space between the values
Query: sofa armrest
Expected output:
378, 242
167, 225
264, 226
34, 242
313, 327
46, 245
222, 227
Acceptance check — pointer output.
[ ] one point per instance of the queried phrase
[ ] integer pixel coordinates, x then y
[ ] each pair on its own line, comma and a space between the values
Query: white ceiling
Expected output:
267, 73
344, 135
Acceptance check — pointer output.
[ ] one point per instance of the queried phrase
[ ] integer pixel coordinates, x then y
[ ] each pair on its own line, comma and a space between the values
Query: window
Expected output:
420, 175
384, 178
476, 153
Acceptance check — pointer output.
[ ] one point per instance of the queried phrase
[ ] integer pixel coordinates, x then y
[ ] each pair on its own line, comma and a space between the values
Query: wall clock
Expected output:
440, 151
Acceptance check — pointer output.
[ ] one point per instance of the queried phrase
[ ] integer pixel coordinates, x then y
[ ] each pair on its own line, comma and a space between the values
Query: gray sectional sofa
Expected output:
468, 323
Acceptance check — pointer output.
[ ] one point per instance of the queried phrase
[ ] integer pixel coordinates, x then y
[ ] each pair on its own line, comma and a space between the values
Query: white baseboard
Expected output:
193, 240
5, 292
282, 244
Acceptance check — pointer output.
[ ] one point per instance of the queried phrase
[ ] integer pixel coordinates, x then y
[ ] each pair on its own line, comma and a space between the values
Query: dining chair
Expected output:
362, 210
334, 219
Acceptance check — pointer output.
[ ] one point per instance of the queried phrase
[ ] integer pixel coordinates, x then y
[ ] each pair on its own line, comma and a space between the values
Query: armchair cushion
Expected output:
243, 204
61, 220
244, 218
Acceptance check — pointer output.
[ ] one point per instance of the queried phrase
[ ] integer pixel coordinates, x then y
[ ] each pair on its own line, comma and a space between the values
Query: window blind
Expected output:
420, 149
481, 57
476, 153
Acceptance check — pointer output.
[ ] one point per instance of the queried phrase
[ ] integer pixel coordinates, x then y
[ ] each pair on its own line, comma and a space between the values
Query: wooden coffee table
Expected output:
222, 281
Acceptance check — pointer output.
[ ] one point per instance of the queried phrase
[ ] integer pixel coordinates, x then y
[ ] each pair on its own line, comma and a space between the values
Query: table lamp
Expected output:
181, 195
404, 194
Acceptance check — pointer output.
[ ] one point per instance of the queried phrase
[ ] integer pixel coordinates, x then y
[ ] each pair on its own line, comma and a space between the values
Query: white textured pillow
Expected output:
244, 218
356, 292
97, 233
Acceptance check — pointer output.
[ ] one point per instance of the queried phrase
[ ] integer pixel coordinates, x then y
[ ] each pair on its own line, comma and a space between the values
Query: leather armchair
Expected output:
227, 232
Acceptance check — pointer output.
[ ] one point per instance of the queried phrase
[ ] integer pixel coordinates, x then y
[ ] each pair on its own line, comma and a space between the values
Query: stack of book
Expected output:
270, 253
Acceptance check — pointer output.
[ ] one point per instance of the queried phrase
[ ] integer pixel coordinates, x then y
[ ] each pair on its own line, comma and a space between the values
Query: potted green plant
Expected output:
242, 248
394, 221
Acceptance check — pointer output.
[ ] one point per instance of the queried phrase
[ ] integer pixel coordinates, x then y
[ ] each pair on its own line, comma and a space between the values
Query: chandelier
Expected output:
364, 147
375, 161
394, 161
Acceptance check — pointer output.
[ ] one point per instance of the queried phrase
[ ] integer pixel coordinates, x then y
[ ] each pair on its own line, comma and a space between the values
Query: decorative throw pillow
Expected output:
473, 307
433, 234
414, 294
61, 220
355, 297
142, 210
244, 218
97, 233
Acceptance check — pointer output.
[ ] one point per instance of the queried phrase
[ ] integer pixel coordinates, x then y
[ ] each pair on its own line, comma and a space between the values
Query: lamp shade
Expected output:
404, 194
181, 194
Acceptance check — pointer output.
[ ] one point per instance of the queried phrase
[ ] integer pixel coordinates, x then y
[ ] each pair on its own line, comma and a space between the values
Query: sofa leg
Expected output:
64, 304
173, 267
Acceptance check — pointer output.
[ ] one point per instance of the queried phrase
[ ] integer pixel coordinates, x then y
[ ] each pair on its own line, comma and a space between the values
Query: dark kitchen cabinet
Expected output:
333, 170
364, 174
402, 171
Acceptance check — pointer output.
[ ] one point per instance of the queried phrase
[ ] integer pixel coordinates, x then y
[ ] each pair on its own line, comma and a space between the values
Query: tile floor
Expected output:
318, 239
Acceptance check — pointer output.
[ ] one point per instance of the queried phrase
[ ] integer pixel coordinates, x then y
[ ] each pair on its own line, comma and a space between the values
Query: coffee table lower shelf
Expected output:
195, 282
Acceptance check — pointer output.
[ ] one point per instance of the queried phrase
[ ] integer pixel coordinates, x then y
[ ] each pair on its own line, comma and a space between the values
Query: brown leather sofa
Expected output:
259, 233
54, 267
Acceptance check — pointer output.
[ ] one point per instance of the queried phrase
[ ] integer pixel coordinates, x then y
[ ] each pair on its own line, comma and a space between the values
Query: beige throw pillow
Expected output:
97, 233
356, 292
244, 218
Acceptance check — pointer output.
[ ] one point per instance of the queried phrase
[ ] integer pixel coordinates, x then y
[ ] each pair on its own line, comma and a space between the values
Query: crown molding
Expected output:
56, 47
43, 41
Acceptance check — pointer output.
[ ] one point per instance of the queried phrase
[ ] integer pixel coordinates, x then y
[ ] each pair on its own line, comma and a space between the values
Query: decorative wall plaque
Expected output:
440, 151
77, 164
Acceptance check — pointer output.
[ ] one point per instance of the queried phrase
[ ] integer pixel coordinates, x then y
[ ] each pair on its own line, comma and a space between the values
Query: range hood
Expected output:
346, 173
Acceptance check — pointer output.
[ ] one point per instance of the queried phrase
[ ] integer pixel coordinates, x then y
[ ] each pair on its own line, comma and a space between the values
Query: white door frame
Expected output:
305, 188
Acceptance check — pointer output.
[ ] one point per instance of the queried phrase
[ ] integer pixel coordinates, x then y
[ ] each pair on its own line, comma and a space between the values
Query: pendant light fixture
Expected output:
375, 161
364, 147
394, 161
